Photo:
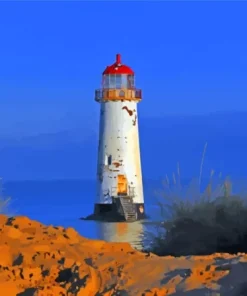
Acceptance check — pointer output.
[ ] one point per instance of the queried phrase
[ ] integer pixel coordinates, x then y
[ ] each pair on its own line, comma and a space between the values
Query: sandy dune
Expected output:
45, 260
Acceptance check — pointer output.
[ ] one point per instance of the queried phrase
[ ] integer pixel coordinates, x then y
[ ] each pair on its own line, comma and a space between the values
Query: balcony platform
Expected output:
106, 95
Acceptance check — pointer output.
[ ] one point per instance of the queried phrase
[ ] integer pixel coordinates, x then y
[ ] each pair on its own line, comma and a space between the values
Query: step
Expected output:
130, 209
131, 218
129, 206
126, 203
130, 212
129, 215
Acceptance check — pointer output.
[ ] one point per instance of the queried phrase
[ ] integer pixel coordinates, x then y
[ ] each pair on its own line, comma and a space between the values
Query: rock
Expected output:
42, 260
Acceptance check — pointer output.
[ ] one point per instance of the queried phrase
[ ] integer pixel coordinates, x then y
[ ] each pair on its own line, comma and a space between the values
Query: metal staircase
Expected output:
126, 207
129, 209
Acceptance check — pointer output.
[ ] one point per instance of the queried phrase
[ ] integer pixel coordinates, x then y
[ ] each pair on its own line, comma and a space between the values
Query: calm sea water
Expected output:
64, 202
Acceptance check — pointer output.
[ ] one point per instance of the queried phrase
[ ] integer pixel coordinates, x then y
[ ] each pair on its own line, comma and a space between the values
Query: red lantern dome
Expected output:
118, 68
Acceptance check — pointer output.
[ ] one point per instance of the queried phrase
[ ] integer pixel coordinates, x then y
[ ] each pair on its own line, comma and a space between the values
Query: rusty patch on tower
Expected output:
130, 112
134, 120
117, 164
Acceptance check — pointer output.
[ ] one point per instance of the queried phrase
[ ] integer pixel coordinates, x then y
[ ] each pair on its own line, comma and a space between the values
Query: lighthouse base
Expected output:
112, 213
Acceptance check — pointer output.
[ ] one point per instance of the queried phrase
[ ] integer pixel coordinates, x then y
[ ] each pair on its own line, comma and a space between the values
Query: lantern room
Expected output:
118, 76
118, 83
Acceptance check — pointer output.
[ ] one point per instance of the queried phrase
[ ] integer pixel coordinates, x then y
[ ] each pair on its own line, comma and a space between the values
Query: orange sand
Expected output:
44, 260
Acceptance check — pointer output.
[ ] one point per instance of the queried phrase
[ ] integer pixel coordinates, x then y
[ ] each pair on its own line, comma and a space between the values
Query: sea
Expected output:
64, 202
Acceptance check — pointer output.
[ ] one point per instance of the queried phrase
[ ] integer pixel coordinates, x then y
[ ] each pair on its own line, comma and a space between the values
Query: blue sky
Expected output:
189, 58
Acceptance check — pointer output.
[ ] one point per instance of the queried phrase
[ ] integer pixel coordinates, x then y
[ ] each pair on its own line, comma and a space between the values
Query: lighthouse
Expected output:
119, 173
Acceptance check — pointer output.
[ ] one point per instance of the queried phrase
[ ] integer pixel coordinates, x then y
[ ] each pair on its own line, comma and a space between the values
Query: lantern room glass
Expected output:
118, 81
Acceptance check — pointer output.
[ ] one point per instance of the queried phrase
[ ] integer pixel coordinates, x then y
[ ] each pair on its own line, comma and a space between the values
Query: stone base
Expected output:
110, 213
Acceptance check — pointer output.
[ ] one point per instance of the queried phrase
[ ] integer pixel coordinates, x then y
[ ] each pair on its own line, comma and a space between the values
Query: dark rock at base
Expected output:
108, 217
103, 218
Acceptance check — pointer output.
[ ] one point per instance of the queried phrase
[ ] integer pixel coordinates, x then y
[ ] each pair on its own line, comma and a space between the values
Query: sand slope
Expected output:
45, 260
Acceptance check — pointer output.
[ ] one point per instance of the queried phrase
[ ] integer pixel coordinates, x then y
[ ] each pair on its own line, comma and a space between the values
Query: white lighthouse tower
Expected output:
119, 174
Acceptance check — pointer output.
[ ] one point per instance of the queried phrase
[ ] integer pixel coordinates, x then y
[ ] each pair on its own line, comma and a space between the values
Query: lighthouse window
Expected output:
108, 159
106, 81
112, 83
130, 81
124, 81
118, 81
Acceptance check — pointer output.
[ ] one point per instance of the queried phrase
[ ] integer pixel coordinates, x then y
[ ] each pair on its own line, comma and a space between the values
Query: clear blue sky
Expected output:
189, 57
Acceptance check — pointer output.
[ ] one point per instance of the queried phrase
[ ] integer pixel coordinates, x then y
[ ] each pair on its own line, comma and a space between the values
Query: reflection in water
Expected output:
122, 232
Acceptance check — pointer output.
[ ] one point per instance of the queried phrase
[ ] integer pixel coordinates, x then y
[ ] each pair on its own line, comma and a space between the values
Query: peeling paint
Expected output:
106, 194
134, 121
130, 112
114, 170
